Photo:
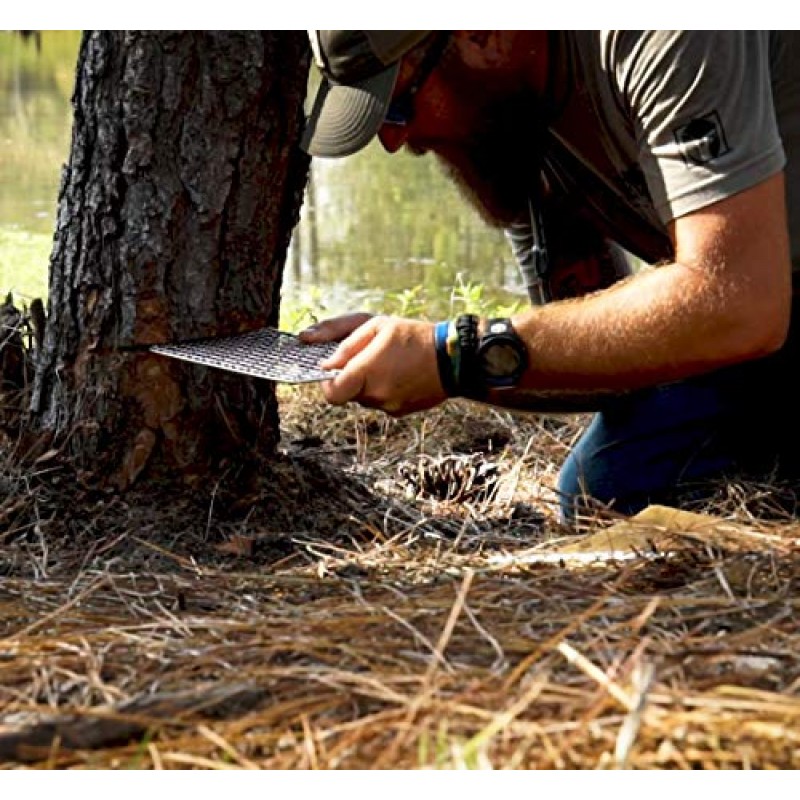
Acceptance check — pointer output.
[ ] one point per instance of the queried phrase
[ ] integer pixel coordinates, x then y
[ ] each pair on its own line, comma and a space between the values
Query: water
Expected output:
377, 232
36, 79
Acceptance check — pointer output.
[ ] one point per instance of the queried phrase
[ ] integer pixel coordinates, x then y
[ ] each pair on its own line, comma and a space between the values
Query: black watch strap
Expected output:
469, 380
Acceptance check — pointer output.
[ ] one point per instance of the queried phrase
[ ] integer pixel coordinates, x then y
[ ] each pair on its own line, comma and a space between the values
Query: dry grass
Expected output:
332, 614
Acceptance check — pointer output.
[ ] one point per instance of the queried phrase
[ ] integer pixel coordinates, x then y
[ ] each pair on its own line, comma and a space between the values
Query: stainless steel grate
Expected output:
266, 353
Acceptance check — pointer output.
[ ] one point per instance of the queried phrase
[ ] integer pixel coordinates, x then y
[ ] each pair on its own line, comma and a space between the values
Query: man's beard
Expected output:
496, 168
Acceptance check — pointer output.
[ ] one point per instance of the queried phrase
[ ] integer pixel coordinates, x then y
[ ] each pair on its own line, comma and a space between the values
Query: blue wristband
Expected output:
443, 361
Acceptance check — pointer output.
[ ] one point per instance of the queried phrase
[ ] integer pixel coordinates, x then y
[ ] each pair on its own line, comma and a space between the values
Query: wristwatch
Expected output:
502, 357
496, 360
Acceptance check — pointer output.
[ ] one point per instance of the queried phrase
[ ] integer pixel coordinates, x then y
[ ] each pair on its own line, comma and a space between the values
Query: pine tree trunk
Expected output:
175, 215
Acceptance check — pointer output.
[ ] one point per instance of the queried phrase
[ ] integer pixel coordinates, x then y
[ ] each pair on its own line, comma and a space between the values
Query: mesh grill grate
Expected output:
266, 353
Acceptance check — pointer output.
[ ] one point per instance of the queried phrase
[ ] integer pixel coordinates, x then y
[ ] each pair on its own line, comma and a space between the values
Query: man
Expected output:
680, 147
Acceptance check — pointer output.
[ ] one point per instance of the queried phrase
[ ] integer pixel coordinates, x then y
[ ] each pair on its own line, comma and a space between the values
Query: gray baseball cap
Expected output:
359, 70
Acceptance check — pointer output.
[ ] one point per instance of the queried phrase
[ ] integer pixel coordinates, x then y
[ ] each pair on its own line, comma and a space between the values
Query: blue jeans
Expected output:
647, 446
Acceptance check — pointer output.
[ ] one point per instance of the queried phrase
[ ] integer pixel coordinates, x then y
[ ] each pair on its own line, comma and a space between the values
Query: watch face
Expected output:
501, 360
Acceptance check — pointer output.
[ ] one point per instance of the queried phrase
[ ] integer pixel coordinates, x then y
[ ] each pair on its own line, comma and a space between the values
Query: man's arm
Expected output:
726, 299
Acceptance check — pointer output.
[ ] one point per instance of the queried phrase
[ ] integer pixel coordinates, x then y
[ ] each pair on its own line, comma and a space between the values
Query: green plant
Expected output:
298, 314
410, 302
470, 297
443, 751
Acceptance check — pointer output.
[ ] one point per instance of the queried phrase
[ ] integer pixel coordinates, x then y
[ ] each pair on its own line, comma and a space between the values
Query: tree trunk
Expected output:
175, 214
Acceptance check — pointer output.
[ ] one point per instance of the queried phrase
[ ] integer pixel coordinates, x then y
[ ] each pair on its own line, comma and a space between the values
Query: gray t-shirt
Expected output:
657, 124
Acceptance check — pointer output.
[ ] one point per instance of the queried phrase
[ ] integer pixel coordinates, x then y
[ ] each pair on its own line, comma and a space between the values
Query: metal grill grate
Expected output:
266, 353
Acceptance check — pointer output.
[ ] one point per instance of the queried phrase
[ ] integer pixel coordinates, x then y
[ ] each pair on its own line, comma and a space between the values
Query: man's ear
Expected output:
484, 49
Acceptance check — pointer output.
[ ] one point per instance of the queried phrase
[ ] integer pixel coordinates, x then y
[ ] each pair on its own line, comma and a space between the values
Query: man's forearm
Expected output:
662, 325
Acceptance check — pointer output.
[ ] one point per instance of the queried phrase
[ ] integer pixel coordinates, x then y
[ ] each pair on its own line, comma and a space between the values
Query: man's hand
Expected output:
387, 362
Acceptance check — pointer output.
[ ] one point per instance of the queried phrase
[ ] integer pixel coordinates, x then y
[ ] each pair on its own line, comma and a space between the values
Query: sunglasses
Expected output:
401, 109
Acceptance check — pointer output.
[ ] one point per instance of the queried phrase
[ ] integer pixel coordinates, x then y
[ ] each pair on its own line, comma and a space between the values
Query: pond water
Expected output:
377, 232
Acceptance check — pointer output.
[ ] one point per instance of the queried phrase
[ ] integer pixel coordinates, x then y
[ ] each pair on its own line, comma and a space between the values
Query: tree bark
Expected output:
175, 214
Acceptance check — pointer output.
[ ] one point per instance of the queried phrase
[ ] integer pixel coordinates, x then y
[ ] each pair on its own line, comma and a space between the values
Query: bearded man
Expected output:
681, 148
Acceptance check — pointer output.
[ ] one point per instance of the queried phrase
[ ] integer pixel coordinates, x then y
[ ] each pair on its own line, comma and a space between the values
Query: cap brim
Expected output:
345, 118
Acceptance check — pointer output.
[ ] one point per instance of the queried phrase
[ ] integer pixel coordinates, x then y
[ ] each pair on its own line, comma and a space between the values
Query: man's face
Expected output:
492, 167
481, 132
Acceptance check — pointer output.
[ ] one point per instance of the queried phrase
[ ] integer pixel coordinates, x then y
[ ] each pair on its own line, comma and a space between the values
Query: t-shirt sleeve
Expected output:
700, 103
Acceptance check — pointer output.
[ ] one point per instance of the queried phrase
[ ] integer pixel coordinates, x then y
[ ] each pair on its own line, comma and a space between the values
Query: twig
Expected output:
596, 674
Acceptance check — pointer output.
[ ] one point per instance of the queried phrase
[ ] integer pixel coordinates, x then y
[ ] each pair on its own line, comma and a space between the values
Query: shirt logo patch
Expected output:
702, 140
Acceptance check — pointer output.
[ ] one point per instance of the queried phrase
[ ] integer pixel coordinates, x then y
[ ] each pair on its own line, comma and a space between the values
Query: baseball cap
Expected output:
359, 70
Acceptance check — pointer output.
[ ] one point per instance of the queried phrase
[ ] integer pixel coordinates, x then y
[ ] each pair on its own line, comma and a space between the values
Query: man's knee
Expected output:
625, 467
591, 479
